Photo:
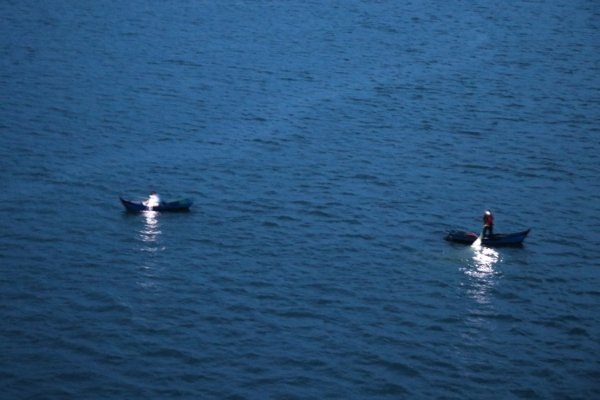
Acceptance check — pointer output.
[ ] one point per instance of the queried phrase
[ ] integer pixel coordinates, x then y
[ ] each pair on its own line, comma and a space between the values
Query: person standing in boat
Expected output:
488, 224
153, 200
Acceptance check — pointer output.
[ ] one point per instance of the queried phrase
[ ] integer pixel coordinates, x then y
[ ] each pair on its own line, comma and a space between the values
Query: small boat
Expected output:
138, 206
499, 239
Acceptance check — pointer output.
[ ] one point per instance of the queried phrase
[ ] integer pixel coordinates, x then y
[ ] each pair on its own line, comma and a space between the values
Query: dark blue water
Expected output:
327, 146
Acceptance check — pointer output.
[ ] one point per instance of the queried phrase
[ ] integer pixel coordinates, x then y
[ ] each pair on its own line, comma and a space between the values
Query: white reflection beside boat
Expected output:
482, 271
151, 230
484, 259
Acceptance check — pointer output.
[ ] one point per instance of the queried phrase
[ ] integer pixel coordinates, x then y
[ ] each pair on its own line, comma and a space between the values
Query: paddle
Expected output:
477, 242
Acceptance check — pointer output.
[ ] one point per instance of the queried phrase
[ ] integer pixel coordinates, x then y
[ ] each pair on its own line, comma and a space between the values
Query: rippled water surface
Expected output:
327, 147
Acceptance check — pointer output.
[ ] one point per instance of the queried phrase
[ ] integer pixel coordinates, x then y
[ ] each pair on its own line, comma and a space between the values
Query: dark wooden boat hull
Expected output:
173, 206
500, 239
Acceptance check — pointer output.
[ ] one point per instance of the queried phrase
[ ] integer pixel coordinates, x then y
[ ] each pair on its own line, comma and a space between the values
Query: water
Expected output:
328, 146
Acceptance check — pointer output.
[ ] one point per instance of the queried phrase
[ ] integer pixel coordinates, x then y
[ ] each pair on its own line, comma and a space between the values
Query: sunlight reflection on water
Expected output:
150, 233
481, 270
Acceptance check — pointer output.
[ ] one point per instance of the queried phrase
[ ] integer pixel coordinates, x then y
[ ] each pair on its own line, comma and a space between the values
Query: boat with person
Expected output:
495, 240
173, 206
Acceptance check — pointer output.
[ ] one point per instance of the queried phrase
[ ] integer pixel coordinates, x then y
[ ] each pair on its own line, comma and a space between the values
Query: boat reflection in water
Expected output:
151, 231
151, 247
481, 270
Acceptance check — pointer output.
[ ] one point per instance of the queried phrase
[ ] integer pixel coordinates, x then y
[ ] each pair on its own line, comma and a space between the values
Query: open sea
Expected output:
328, 146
